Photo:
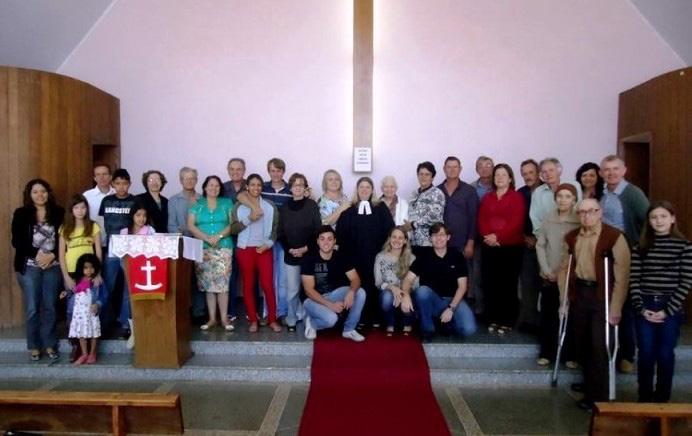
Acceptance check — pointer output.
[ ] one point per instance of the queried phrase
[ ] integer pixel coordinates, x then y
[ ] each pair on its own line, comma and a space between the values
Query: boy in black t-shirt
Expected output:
443, 282
331, 286
115, 210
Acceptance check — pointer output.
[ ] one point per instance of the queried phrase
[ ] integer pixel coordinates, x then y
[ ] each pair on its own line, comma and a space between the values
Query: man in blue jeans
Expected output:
115, 210
332, 287
443, 282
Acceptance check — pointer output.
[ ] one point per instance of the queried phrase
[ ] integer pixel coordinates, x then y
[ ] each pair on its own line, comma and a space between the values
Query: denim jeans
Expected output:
656, 352
280, 280
40, 291
430, 307
389, 312
294, 308
322, 317
111, 272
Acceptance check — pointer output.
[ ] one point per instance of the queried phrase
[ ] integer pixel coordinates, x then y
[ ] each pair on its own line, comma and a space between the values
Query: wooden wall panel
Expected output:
661, 109
48, 126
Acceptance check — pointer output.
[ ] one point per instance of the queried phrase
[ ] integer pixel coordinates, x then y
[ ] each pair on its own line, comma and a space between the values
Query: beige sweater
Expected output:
551, 246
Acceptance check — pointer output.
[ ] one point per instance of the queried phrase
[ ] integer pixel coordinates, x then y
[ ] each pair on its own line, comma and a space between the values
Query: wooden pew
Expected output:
641, 419
91, 412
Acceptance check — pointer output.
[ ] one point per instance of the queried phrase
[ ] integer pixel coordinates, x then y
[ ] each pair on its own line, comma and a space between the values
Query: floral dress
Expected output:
84, 324
328, 206
214, 272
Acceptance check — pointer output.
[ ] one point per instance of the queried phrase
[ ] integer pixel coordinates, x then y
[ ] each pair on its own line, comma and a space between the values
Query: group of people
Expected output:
439, 259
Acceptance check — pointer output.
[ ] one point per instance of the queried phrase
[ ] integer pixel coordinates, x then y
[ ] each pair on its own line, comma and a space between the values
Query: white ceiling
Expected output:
41, 34
672, 19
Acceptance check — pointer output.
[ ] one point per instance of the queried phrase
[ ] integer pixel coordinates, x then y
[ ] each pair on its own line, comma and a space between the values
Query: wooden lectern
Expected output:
161, 326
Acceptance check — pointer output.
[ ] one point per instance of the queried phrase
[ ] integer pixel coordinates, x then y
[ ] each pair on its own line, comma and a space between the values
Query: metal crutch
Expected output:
563, 325
612, 354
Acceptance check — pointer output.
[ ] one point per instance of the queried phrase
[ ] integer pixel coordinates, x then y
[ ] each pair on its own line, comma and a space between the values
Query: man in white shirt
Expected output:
94, 196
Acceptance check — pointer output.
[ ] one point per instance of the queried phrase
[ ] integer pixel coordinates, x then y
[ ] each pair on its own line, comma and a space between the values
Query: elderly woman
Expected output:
155, 203
361, 231
35, 238
426, 208
589, 177
256, 237
333, 202
398, 207
299, 220
550, 251
501, 217
391, 266
210, 221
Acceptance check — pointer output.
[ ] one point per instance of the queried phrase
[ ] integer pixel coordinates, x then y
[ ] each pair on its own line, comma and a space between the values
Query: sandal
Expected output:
207, 326
390, 331
229, 327
35, 355
276, 328
52, 354
407, 331
502, 330
253, 327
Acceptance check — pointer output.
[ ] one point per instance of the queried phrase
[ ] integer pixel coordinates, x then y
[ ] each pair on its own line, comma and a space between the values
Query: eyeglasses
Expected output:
588, 212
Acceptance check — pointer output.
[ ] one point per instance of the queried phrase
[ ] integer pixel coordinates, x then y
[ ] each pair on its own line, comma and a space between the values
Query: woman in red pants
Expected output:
255, 224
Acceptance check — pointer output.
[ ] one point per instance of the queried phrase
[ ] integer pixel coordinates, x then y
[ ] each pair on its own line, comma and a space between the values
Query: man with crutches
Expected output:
596, 274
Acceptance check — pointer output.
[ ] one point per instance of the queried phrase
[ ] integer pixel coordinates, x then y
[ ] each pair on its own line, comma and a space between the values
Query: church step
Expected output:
118, 366
523, 372
466, 371
471, 364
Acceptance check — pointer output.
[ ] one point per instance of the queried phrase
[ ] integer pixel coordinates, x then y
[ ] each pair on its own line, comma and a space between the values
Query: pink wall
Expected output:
200, 82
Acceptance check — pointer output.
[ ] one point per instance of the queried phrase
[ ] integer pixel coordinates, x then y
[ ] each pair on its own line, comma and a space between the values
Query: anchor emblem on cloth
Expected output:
149, 286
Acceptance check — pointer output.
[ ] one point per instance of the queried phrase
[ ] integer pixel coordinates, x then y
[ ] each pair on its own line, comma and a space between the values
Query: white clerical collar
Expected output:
364, 208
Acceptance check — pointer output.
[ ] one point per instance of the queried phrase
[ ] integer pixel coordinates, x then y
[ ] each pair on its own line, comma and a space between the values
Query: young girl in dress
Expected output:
78, 235
85, 321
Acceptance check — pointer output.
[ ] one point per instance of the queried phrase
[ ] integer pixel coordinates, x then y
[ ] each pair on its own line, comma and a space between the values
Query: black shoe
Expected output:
585, 404
577, 387
124, 333
291, 328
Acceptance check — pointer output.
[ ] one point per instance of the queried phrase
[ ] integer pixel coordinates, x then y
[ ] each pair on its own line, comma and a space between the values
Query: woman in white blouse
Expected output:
397, 206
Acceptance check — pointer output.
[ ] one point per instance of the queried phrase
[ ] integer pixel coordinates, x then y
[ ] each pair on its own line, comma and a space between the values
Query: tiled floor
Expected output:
236, 409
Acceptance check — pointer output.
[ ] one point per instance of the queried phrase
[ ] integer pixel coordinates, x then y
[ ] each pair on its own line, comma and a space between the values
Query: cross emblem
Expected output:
149, 286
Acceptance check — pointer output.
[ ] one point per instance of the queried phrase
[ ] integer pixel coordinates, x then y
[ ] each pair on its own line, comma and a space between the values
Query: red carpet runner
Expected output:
378, 387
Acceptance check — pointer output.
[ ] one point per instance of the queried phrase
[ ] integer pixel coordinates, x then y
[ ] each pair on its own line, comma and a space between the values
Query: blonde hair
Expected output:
324, 181
406, 257
373, 197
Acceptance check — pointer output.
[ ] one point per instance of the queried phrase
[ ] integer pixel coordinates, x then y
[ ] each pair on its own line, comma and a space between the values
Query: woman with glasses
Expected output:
299, 220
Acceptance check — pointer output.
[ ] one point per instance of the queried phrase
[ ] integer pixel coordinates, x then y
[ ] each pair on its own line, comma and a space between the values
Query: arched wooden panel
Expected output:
655, 126
49, 125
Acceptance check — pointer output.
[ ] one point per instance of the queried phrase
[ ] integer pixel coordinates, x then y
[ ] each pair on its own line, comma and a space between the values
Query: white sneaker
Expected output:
354, 336
131, 340
310, 332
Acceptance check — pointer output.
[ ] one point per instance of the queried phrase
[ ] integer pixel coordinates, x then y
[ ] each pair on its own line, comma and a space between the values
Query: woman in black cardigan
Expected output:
152, 200
35, 238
